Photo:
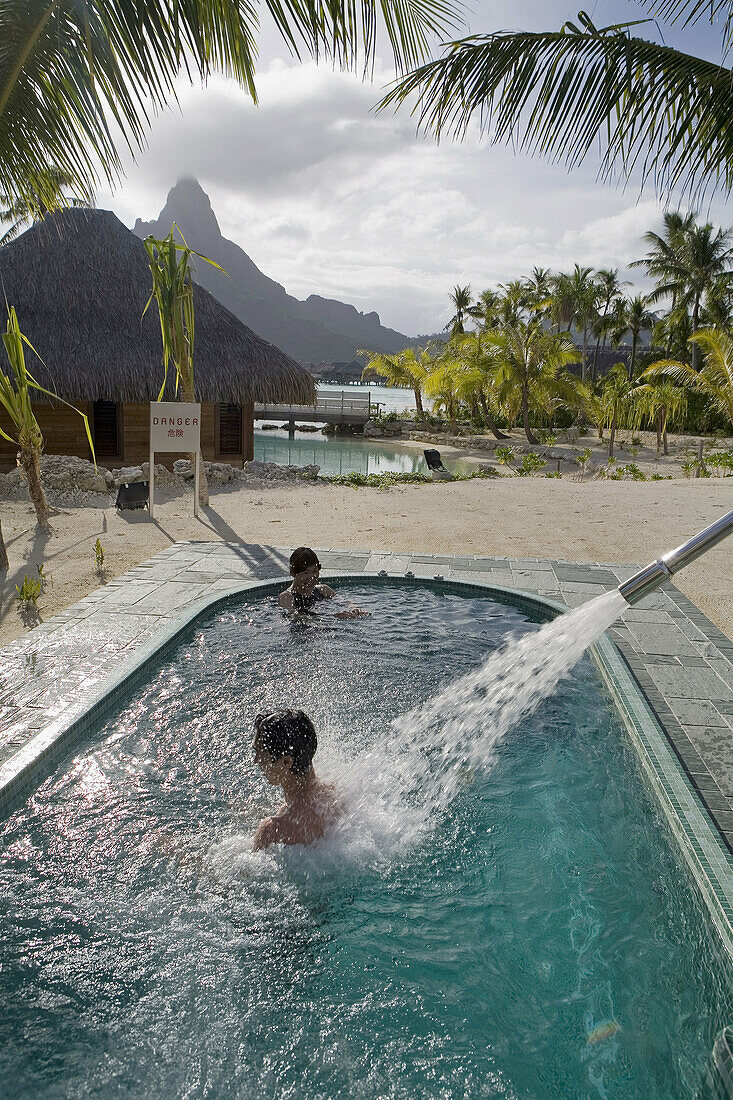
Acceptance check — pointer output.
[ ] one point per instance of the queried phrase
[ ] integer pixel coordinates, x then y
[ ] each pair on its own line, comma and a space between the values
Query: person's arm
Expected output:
352, 612
267, 834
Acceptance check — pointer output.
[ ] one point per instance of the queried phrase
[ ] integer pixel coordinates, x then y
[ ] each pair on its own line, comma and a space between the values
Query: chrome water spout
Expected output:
654, 574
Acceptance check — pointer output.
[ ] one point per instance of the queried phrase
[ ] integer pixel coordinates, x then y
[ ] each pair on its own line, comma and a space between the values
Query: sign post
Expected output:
175, 426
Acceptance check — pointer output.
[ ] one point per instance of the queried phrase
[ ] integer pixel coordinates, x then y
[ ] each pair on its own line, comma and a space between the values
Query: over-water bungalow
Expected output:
79, 281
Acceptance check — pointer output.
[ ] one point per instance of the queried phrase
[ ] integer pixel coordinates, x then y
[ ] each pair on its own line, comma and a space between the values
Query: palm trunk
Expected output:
189, 396
632, 363
612, 437
664, 433
490, 420
525, 417
4, 563
585, 353
418, 403
659, 431
30, 459
695, 319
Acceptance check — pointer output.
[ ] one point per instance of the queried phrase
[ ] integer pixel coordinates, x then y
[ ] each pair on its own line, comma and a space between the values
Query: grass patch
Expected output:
388, 480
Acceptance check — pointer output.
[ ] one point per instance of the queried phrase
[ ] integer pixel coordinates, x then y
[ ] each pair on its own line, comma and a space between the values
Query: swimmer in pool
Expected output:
306, 592
284, 746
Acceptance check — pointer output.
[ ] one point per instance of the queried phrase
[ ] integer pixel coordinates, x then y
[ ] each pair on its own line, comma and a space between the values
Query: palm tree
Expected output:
464, 308
715, 377
538, 288
575, 301
693, 265
489, 303
609, 289
653, 110
443, 384
616, 401
657, 402
74, 72
46, 193
477, 381
407, 368
632, 316
528, 359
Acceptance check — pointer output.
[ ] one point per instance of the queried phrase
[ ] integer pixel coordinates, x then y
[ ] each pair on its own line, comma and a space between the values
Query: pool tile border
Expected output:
136, 619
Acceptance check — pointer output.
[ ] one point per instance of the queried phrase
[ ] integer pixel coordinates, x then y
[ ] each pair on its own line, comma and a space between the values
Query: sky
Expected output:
329, 198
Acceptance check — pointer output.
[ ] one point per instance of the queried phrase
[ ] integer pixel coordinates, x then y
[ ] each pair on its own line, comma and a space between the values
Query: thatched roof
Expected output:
79, 281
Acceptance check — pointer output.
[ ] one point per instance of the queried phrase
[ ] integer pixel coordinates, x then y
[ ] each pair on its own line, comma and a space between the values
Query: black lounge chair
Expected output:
435, 465
133, 495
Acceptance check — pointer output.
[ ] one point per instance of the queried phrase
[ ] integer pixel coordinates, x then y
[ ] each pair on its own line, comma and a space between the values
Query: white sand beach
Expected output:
595, 521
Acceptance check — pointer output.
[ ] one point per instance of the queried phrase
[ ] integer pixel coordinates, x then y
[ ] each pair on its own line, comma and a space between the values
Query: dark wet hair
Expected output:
301, 559
287, 733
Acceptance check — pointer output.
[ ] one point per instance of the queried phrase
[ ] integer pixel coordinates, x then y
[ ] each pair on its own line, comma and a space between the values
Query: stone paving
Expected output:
682, 662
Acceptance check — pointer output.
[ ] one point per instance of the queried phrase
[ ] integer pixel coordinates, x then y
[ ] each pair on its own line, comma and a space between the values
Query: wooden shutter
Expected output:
230, 429
105, 429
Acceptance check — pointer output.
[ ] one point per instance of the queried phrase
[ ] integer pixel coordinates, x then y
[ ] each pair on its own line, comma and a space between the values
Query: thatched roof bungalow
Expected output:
79, 281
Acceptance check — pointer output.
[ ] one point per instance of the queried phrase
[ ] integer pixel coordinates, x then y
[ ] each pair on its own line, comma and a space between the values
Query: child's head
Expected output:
285, 733
302, 559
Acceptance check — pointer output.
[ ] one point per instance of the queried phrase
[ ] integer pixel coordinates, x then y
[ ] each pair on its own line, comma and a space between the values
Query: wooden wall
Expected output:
63, 433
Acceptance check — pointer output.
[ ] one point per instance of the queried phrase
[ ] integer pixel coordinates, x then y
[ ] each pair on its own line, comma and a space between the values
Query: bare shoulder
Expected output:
326, 591
285, 599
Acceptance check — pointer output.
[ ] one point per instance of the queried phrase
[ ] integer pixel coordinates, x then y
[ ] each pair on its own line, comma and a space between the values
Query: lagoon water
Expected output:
345, 454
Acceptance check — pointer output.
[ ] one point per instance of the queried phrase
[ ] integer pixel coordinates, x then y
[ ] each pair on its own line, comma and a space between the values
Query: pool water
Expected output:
532, 935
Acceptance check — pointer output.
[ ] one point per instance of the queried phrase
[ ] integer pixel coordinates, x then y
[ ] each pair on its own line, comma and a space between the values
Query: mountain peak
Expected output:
187, 204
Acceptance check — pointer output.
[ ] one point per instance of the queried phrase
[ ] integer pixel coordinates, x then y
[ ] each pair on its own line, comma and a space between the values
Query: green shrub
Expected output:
530, 464
554, 473
29, 591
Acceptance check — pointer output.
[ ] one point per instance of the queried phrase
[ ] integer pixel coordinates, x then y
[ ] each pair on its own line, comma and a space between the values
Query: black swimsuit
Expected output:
305, 603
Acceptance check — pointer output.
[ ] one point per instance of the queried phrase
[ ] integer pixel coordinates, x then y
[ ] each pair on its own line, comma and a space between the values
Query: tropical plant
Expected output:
610, 288
29, 591
692, 265
443, 384
99, 555
530, 361
574, 300
476, 381
616, 400
407, 368
657, 403
563, 94
632, 316
715, 377
464, 308
15, 399
74, 73
173, 292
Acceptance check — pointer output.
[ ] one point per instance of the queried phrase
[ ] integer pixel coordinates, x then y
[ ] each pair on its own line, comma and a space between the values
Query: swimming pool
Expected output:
532, 936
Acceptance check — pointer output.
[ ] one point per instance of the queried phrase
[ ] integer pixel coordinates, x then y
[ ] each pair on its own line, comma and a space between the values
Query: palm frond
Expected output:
69, 66
644, 106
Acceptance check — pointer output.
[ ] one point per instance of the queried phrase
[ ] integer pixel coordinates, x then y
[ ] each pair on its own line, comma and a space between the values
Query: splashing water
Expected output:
435, 750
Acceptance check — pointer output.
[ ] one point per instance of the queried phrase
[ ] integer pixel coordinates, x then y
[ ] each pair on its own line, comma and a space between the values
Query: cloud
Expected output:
328, 197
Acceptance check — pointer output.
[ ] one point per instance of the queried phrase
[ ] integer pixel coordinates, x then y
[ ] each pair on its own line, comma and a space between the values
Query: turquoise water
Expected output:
344, 454
534, 936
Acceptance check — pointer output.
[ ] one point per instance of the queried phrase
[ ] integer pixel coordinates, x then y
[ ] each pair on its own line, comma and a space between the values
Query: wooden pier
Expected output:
349, 407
